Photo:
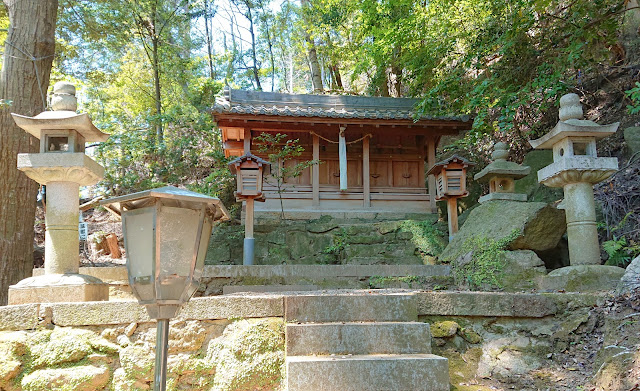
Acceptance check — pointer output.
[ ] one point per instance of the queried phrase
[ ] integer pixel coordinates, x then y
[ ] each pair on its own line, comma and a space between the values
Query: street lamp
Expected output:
166, 235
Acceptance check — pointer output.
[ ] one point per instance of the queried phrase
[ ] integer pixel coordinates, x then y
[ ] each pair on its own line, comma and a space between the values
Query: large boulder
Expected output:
517, 225
529, 185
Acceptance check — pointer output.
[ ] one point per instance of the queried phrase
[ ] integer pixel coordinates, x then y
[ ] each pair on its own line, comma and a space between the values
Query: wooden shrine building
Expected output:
387, 150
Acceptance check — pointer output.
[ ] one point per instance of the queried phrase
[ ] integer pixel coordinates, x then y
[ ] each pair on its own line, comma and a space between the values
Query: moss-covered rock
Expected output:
79, 378
137, 362
249, 355
65, 345
444, 329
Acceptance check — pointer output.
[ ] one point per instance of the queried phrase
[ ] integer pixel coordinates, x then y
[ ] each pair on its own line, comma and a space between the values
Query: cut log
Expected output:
114, 247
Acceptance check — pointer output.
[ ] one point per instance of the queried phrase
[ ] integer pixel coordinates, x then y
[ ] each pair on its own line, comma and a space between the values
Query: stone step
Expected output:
230, 289
358, 338
410, 372
353, 307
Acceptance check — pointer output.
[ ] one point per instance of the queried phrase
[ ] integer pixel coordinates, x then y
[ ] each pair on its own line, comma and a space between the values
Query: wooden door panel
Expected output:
406, 174
379, 173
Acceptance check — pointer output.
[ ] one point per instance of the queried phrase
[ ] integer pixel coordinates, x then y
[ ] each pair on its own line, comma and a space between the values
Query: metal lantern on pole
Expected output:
166, 235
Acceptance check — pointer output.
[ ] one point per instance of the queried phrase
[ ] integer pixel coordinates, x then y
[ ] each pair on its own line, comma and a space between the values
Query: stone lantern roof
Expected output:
501, 167
573, 124
63, 116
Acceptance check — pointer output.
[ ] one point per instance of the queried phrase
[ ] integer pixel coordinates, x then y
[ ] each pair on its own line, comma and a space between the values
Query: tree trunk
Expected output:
207, 20
155, 64
25, 83
314, 65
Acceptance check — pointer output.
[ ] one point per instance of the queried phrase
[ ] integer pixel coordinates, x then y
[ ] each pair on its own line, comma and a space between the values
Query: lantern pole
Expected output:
162, 347
249, 241
452, 212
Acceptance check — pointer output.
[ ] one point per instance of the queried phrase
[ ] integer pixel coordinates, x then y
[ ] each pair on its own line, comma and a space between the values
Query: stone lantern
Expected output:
501, 175
63, 167
451, 184
576, 168
250, 171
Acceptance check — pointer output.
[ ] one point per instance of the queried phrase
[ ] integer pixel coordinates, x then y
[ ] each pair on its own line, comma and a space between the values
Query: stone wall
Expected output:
330, 241
110, 346
237, 342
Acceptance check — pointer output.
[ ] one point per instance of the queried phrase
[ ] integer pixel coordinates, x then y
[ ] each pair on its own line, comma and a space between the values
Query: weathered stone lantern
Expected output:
250, 170
576, 168
166, 236
501, 175
63, 167
451, 184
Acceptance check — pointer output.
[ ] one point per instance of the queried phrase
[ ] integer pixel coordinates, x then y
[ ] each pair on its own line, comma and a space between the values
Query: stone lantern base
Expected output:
58, 288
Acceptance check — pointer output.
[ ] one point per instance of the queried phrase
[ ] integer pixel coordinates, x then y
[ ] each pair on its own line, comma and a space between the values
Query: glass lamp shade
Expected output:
166, 236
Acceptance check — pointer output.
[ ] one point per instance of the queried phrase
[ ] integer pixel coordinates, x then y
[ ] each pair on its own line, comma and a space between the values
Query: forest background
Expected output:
148, 70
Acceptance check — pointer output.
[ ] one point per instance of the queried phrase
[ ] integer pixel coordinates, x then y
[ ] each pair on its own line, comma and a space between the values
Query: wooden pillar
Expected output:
247, 141
342, 154
366, 177
315, 171
452, 214
431, 161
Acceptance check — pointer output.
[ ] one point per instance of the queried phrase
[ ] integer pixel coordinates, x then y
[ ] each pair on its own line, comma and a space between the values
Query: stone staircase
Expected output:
360, 342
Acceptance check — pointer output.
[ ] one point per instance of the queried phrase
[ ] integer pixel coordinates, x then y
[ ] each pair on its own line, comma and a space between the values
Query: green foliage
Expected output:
482, 267
620, 250
338, 244
634, 95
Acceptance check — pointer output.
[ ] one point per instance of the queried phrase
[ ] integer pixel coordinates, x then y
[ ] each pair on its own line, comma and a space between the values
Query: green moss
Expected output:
427, 238
482, 267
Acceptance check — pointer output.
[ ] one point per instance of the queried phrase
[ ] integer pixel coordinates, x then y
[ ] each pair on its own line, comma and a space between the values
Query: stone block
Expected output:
485, 304
358, 338
368, 372
583, 278
226, 307
19, 317
98, 313
58, 288
230, 289
356, 307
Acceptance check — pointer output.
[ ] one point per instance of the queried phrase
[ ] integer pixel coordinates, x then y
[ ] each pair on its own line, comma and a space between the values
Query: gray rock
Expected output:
632, 138
523, 225
630, 281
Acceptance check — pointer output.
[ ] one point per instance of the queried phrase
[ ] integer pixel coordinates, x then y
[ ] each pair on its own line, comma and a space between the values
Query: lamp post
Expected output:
451, 184
250, 170
166, 235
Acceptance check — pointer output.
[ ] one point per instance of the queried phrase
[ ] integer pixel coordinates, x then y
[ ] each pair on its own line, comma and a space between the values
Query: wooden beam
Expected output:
366, 177
431, 161
247, 140
315, 171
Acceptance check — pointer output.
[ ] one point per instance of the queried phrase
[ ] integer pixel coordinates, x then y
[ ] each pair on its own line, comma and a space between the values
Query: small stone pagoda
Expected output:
576, 168
62, 167
501, 175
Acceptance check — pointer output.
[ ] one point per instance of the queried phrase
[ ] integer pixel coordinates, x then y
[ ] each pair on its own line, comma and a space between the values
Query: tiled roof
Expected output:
326, 106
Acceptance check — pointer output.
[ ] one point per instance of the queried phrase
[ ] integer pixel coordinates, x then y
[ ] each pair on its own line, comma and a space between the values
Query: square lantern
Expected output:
451, 177
166, 236
250, 170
